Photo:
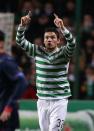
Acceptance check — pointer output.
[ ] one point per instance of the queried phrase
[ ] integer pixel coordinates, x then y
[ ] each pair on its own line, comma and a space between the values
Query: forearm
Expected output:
20, 86
71, 42
20, 36
23, 43
68, 35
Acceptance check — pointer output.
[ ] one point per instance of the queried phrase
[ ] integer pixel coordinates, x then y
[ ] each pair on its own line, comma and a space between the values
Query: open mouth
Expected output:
49, 43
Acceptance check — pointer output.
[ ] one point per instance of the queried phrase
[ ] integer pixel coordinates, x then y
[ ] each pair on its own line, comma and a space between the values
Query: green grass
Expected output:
29, 123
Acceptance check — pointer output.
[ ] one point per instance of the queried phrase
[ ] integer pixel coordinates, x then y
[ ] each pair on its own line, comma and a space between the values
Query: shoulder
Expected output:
9, 60
5, 58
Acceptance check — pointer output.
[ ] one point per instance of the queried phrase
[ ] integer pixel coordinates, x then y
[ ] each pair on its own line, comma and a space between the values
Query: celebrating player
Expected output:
52, 64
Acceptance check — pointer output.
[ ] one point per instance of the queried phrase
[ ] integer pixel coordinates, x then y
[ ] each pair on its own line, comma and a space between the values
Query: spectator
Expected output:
38, 41
90, 82
48, 8
87, 24
23, 7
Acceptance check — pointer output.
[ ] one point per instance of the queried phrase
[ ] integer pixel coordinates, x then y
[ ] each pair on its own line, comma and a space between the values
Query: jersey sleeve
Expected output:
23, 43
68, 50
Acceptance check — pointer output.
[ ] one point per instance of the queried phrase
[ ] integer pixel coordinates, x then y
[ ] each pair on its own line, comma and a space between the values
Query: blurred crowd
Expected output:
42, 17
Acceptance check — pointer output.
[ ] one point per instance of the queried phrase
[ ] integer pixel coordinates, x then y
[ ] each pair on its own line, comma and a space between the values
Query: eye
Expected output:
52, 37
46, 37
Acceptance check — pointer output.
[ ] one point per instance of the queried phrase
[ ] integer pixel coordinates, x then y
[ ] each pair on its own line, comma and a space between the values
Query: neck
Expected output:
50, 49
2, 51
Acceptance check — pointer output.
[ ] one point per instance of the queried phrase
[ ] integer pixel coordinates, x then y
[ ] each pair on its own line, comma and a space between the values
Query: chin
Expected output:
50, 47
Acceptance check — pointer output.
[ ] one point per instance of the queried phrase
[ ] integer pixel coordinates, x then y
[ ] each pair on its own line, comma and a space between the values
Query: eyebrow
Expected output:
50, 36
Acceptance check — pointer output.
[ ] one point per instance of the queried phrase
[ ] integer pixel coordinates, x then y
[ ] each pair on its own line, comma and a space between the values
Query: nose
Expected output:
49, 39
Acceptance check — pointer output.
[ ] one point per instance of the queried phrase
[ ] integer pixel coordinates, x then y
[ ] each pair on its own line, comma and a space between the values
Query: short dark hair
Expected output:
52, 29
2, 36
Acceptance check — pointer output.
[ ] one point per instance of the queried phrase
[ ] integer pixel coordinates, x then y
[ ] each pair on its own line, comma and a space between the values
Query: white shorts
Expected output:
52, 114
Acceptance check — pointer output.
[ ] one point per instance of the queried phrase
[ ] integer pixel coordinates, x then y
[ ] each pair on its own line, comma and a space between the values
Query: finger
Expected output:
5, 118
56, 23
56, 16
22, 20
2, 118
29, 13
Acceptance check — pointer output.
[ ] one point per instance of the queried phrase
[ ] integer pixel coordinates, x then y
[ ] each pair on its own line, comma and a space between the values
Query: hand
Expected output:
25, 20
58, 22
5, 116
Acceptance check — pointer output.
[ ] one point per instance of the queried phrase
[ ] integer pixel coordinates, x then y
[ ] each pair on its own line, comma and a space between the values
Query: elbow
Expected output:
22, 81
17, 41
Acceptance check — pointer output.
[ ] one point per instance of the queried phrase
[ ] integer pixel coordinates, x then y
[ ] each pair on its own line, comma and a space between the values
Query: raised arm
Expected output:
20, 36
69, 48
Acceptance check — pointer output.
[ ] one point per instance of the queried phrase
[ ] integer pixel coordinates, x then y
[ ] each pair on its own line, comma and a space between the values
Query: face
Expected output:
1, 44
51, 41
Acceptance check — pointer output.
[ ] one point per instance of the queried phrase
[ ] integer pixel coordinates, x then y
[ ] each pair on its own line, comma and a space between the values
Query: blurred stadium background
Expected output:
78, 17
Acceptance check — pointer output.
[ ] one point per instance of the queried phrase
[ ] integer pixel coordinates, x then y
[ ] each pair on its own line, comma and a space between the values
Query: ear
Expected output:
58, 41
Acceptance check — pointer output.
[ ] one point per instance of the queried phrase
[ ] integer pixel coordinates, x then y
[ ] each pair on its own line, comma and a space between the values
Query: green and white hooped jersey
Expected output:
51, 69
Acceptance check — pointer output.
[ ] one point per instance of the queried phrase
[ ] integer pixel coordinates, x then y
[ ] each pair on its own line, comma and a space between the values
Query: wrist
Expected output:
64, 30
21, 27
